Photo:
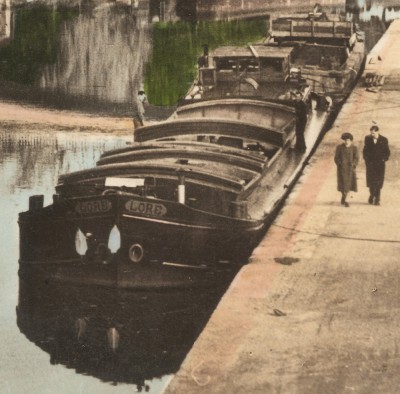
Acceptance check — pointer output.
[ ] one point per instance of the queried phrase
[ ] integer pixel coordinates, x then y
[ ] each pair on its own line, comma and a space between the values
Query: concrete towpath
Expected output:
318, 308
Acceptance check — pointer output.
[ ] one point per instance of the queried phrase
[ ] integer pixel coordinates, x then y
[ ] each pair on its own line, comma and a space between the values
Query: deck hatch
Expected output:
186, 155
210, 126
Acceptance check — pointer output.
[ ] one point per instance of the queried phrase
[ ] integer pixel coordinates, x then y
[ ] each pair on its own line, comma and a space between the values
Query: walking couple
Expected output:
375, 153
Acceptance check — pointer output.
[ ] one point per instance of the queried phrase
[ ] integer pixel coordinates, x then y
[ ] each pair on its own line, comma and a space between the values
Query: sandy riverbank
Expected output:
14, 115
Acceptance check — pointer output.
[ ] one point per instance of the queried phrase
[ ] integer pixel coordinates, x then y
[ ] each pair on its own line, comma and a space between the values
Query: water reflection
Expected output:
100, 55
35, 34
30, 163
31, 160
113, 335
82, 55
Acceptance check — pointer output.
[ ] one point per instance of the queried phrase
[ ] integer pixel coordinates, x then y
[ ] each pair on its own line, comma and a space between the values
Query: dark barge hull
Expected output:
183, 247
120, 273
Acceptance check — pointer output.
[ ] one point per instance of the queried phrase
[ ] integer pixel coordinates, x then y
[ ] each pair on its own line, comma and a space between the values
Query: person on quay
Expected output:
346, 159
376, 153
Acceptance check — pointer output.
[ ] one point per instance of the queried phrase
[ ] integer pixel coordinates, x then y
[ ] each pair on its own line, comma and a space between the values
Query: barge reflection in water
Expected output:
117, 336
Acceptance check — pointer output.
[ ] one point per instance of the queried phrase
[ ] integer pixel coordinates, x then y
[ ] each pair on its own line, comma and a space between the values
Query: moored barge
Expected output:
329, 51
192, 195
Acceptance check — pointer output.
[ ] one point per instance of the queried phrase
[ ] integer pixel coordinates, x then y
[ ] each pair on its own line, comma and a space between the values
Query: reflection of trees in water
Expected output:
101, 55
27, 159
35, 30
114, 335
31, 160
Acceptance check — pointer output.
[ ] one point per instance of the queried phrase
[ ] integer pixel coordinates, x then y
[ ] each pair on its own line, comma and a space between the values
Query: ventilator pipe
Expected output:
181, 189
36, 202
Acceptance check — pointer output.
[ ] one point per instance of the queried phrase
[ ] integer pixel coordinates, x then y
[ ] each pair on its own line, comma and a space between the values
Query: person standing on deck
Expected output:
346, 159
376, 152
139, 111
301, 121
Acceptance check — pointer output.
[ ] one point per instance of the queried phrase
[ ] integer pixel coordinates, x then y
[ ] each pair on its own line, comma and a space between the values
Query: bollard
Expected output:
239, 209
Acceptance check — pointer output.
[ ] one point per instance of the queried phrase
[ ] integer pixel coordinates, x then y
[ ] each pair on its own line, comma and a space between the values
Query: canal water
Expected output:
81, 339
72, 339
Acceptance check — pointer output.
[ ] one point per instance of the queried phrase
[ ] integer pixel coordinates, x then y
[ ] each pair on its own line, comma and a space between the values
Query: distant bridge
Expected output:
234, 9
5, 21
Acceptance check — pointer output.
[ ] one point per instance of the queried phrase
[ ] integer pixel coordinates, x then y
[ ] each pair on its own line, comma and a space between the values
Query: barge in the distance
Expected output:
329, 51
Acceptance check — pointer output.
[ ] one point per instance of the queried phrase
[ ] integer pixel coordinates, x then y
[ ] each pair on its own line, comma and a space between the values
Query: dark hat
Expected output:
141, 92
374, 128
347, 136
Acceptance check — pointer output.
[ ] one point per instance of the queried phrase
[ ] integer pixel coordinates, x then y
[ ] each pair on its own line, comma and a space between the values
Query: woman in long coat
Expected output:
346, 159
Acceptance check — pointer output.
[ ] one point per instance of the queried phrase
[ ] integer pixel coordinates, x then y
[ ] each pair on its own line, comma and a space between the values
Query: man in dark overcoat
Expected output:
376, 152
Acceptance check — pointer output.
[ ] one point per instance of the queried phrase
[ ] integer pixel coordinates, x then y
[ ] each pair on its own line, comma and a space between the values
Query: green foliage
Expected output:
176, 47
34, 44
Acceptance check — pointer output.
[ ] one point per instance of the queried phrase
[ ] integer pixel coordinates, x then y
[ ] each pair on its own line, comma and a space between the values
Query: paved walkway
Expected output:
318, 308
